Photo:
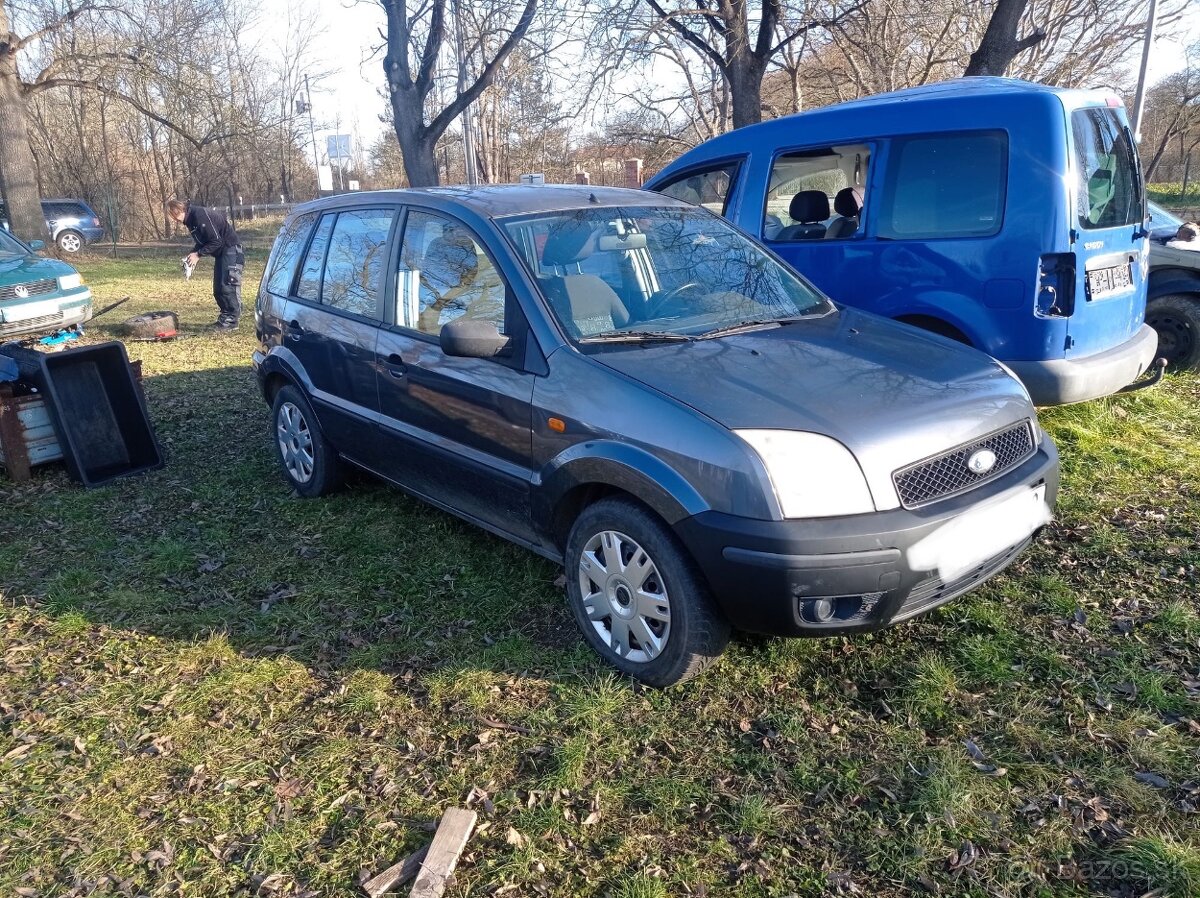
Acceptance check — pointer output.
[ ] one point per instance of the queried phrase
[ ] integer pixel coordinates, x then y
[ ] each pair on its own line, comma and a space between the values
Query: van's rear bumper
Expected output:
1063, 381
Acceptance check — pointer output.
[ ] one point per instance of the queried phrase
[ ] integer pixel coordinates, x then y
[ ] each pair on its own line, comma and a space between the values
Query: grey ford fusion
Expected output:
631, 387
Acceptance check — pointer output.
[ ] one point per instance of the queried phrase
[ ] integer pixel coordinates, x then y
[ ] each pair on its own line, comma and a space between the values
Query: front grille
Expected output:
934, 591
947, 474
33, 288
28, 324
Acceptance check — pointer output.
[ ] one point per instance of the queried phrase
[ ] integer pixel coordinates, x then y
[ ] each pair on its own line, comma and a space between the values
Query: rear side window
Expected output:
288, 246
949, 185
356, 261
1106, 165
309, 285
709, 188
816, 194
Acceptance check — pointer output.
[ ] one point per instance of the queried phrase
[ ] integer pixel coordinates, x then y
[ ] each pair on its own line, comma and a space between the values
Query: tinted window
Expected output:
1108, 192
355, 264
816, 194
445, 274
309, 285
945, 186
709, 188
288, 246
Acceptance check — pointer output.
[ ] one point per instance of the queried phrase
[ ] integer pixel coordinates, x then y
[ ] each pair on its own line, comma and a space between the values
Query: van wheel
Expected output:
638, 597
70, 241
309, 463
1176, 318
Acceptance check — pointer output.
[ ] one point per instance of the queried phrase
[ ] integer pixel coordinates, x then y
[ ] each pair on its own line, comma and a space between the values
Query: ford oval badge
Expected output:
981, 461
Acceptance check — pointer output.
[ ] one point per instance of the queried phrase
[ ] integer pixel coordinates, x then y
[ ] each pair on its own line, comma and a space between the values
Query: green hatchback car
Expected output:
38, 294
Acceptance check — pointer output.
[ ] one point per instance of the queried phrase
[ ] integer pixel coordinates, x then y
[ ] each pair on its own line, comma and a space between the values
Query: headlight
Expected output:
814, 476
70, 281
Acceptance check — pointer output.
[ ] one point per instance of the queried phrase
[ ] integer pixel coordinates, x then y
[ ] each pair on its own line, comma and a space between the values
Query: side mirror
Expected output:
473, 338
37, 245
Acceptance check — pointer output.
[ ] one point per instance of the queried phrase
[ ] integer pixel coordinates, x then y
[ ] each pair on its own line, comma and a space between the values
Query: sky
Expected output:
348, 99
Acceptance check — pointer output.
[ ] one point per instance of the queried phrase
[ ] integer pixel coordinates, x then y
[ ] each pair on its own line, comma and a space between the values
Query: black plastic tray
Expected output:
98, 411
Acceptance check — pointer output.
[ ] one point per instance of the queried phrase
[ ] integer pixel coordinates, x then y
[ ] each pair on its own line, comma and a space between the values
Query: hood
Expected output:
890, 393
23, 269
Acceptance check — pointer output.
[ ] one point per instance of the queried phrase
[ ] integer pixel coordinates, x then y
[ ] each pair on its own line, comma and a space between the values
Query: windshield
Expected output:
656, 271
10, 246
1109, 190
1161, 218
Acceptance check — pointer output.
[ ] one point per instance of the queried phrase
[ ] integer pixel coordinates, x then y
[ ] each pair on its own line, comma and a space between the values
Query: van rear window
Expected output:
1108, 191
946, 185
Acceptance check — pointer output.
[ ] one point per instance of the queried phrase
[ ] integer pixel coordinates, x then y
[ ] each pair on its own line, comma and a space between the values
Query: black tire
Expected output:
1176, 318
324, 471
150, 326
696, 632
70, 242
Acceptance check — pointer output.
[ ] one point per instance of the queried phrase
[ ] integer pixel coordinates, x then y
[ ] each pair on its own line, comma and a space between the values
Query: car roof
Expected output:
498, 200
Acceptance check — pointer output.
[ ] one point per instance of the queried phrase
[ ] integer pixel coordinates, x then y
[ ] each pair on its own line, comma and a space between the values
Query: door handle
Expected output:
294, 330
396, 366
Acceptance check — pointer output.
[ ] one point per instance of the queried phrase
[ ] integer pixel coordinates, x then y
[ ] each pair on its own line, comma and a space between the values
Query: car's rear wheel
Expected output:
638, 597
309, 462
70, 241
1176, 319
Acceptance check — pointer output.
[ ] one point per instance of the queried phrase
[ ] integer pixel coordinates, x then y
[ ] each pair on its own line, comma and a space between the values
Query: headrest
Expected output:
452, 258
569, 242
809, 206
848, 202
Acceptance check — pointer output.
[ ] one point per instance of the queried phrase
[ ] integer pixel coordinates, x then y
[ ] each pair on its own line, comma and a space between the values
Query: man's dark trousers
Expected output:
228, 267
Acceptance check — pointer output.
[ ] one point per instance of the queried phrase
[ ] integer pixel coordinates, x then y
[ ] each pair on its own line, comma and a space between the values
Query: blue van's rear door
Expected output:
1109, 244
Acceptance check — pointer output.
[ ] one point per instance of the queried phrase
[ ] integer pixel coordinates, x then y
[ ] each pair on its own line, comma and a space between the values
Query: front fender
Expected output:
1165, 281
623, 466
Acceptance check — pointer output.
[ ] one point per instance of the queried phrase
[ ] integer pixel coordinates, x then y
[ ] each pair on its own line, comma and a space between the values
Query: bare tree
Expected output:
1001, 42
415, 45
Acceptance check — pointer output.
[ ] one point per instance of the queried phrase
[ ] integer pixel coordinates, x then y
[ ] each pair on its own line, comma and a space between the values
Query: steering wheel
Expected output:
656, 306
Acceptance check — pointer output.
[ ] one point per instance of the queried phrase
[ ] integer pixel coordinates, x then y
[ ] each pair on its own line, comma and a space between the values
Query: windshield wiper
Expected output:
754, 324
637, 337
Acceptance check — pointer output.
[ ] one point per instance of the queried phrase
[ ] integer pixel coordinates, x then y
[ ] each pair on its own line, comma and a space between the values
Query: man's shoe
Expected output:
227, 324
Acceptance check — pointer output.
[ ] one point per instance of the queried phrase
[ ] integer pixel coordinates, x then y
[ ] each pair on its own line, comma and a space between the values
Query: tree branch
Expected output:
690, 36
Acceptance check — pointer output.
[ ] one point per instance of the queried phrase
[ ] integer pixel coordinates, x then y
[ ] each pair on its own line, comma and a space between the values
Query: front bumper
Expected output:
769, 576
1063, 381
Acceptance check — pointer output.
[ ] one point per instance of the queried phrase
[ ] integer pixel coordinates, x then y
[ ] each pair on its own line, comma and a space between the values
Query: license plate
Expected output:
28, 310
1106, 281
980, 533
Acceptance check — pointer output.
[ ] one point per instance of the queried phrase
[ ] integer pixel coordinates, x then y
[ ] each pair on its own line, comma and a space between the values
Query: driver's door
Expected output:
457, 430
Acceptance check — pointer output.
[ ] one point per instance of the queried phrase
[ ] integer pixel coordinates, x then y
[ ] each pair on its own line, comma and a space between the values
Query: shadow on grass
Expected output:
216, 543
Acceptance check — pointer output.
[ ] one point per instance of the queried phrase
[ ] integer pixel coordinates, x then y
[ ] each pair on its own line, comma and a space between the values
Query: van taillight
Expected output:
1056, 286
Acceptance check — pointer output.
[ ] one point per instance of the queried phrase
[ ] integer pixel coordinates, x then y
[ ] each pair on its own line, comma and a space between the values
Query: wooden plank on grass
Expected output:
448, 843
397, 874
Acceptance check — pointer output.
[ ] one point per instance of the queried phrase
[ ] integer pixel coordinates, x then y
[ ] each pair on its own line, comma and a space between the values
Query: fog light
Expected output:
822, 610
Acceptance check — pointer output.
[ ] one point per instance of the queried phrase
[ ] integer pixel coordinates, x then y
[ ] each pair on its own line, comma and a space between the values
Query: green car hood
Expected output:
23, 269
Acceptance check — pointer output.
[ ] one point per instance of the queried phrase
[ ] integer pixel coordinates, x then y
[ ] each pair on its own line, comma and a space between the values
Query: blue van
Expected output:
1000, 213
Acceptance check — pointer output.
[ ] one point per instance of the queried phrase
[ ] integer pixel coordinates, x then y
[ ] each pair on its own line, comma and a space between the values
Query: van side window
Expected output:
356, 263
709, 188
287, 252
817, 194
309, 285
445, 274
949, 185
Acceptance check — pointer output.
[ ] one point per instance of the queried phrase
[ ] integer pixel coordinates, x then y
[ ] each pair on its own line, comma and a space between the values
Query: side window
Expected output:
708, 188
817, 194
445, 274
288, 246
356, 260
309, 285
945, 186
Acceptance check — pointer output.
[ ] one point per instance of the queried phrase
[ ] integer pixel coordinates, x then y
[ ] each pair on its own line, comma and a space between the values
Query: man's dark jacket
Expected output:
211, 231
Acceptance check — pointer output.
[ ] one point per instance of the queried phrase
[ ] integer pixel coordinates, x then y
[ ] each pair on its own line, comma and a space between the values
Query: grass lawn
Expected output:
1172, 196
211, 687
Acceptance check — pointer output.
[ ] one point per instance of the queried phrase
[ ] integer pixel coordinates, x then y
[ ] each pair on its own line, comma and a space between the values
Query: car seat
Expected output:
583, 302
848, 205
809, 208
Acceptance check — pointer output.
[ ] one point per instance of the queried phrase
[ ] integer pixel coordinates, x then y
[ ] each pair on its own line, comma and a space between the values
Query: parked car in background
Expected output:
1003, 214
38, 294
1173, 309
71, 222
631, 387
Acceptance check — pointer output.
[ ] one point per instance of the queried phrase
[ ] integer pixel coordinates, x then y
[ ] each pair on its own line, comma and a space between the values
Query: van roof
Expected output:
497, 200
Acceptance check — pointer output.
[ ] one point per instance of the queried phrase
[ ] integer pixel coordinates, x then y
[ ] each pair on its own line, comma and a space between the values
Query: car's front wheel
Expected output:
69, 241
1176, 319
309, 462
638, 597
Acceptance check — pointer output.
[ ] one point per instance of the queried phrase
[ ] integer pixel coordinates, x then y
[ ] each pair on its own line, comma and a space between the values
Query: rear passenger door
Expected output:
331, 321
458, 430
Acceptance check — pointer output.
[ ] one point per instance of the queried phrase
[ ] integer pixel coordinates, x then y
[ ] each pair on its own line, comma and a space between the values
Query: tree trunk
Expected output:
1000, 44
745, 79
18, 171
416, 147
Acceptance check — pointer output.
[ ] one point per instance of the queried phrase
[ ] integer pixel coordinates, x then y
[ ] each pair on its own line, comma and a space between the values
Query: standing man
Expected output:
215, 236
